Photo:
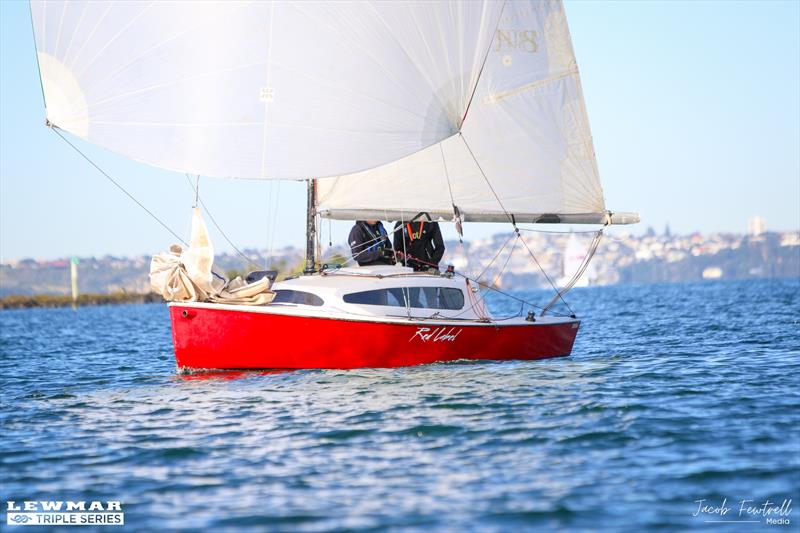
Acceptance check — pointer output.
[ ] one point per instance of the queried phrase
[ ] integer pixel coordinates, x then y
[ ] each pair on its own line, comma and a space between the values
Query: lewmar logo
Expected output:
53, 513
436, 335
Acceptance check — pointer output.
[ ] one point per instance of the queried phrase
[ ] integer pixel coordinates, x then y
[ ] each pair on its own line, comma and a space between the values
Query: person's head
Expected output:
372, 222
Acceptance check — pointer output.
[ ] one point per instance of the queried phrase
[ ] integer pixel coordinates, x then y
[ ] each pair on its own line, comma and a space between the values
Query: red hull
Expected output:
208, 338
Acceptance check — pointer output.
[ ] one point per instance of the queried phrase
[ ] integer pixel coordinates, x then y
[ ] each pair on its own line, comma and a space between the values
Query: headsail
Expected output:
525, 148
261, 89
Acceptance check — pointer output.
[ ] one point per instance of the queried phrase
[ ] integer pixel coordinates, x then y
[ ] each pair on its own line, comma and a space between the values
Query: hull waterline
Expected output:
212, 337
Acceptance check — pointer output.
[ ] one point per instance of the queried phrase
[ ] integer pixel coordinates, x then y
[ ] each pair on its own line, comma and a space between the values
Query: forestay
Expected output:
524, 149
261, 89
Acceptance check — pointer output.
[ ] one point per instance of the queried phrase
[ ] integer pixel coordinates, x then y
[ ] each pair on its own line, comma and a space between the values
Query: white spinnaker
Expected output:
526, 134
261, 89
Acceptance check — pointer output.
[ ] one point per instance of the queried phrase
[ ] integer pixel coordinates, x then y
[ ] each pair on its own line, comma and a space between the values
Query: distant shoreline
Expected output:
51, 300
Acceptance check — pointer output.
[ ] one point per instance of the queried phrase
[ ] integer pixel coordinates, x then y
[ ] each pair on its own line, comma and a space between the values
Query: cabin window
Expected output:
417, 297
296, 297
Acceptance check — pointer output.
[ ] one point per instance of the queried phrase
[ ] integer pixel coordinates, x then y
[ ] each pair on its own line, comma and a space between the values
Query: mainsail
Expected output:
524, 148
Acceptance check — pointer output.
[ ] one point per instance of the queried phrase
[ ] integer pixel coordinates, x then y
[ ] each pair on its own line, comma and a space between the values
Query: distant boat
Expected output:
464, 111
574, 256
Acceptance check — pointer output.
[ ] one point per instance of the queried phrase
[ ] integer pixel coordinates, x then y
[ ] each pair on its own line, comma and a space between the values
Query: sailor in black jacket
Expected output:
424, 246
370, 244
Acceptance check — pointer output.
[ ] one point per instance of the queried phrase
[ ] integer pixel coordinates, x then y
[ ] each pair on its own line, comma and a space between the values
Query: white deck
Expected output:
332, 286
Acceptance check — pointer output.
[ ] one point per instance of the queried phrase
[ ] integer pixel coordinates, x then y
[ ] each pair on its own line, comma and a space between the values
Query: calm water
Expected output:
673, 394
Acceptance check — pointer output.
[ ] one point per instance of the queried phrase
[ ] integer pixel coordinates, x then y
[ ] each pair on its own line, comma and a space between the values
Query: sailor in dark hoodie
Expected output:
370, 244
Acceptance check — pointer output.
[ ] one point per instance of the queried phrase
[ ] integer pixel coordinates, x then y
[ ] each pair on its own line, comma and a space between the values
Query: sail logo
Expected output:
64, 513
516, 41
436, 334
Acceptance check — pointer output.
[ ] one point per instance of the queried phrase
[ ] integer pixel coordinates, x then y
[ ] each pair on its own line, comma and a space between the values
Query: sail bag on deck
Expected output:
186, 275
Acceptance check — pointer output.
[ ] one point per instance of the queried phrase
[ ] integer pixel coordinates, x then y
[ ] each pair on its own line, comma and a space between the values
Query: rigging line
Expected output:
456, 214
466, 277
550, 281
366, 248
354, 257
480, 72
473, 300
506, 294
120, 187
584, 263
405, 259
486, 179
273, 221
269, 224
213, 221
38, 68
581, 269
335, 271
391, 241
477, 281
449, 187
496, 278
489, 287
513, 222
403, 233
317, 232
496, 256
480, 283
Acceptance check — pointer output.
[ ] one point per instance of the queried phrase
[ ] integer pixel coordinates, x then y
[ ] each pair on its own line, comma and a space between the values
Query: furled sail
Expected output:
524, 148
261, 89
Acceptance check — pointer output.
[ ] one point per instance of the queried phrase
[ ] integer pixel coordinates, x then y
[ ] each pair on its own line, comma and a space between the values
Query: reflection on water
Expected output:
227, 374
673, 394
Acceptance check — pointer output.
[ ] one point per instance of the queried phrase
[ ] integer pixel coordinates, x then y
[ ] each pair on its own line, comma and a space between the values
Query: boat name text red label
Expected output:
442, 334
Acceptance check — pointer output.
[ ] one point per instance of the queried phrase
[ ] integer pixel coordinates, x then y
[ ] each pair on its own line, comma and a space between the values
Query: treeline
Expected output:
761, 259
53, 300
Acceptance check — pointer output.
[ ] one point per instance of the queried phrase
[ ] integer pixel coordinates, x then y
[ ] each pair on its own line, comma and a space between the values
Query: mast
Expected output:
311, 227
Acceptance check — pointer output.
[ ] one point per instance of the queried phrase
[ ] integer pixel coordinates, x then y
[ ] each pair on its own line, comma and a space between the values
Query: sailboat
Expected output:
574, 256
466, 111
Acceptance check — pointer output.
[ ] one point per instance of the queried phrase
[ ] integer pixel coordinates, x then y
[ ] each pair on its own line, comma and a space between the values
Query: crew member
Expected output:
423, 247
370, 244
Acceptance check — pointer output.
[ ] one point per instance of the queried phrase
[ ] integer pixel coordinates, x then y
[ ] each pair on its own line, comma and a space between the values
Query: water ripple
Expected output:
674, 393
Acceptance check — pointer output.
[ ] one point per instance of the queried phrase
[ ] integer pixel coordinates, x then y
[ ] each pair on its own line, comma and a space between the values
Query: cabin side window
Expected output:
446, 298
296, 297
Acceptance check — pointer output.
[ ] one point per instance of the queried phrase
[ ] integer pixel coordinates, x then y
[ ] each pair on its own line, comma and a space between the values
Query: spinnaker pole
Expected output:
311, 227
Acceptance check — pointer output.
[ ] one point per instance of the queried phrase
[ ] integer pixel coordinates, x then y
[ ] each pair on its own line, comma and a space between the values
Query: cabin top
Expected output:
382, 290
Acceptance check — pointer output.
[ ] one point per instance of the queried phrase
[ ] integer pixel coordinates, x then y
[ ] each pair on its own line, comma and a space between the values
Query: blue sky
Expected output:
694, 109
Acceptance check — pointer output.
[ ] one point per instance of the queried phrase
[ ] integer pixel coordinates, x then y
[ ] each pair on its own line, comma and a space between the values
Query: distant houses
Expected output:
650, 258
